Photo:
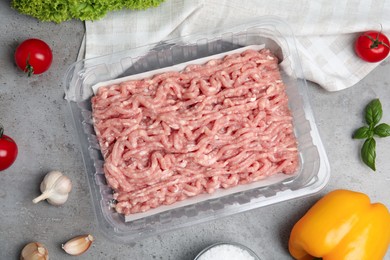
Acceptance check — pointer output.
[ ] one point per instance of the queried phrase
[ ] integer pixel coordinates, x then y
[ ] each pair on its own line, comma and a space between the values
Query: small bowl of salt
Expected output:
227, 251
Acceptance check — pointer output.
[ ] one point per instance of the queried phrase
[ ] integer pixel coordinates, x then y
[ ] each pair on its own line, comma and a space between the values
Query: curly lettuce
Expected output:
62, 10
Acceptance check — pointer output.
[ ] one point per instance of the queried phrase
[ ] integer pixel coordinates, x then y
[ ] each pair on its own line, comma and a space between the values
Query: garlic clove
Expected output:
43, 196
78, 245
57, 199
34, 251
55, 188
64, 185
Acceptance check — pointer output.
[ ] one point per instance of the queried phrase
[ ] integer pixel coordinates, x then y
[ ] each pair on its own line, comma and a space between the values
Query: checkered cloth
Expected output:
325, 30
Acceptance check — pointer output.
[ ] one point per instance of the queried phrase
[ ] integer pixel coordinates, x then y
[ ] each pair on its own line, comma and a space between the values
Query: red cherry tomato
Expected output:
8, 150
372, 46
33, 56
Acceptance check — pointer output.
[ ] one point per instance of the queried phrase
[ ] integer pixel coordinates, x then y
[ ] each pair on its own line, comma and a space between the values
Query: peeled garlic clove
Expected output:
34, 251
78, 245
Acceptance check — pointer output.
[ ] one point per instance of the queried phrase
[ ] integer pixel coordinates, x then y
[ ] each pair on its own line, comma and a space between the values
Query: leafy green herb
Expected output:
374, 112
368, 153
62, 10
363, 132
382, 130
373, 115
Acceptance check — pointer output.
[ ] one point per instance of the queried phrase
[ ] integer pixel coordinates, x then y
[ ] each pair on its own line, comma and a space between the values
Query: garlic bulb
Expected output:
78, 245
55, 188
34, 251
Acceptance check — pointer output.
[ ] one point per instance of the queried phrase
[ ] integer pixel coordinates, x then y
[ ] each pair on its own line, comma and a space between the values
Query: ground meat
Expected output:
180, 134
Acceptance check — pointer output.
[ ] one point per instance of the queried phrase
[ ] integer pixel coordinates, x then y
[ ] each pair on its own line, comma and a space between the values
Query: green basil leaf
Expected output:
363, 132
373, 112
368, 153
382, 130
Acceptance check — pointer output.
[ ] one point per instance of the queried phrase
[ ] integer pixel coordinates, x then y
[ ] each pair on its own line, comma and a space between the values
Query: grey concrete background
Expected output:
34, 113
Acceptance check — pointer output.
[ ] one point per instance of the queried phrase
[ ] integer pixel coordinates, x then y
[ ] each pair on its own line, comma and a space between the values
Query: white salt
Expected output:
226, 252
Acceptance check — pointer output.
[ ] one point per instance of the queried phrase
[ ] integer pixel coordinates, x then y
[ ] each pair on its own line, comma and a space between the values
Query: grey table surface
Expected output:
34, 112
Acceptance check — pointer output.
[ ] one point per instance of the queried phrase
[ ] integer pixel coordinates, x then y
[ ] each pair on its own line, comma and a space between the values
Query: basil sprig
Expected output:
373, 115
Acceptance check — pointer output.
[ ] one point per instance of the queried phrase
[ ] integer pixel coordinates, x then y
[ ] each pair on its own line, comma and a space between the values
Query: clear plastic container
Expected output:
313, 173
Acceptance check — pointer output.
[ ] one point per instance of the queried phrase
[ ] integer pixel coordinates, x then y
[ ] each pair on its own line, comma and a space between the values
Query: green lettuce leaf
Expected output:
62, 10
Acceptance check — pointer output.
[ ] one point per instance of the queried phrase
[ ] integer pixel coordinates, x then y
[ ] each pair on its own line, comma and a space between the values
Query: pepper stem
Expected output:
1, 130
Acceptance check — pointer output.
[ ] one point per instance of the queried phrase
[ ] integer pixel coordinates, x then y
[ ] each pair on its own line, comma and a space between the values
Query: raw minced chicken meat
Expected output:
179, 134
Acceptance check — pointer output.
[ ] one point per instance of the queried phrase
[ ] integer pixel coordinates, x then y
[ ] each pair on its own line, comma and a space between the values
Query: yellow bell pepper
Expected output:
343, 225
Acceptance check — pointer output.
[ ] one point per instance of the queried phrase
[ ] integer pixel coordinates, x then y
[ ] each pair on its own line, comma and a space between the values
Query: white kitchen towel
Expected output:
325, 30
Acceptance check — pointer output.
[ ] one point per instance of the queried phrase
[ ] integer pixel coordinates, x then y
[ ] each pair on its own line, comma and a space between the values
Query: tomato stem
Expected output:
376, 42
384, 44
29, 69
1, 130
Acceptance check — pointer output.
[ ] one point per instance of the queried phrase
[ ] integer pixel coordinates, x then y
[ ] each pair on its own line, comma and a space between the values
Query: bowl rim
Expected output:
235, 244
